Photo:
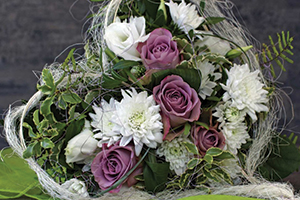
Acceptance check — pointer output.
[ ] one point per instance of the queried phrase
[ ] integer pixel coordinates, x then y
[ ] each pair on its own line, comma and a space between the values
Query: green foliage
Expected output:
17, 179
190, 76
277, 52
284, 158
155, 174
199, 170
213, 20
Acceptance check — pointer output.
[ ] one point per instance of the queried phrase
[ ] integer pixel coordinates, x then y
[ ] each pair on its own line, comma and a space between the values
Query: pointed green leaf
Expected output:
213, 20
124, 64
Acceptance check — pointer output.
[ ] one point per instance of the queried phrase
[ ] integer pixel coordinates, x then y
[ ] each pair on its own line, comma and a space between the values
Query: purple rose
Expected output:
206, 138
159, 51
112, 163
178, 102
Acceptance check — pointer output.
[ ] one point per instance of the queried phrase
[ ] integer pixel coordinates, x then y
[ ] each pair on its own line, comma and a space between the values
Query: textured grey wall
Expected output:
34, 32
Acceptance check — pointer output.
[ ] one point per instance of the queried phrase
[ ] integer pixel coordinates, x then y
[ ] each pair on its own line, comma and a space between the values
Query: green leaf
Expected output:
217, 197
125, 64
91, 96
72, 112
46, 106
17, 179
193, 163
71, 97
213, 151
283, 160
202, 124
187, 128
208, 158
161, 15
30, 130
61, 103
45, 89
29, 151
190, 76
48, 79
234, 53
110, 83
191, 147
155, 175
74, 128
46, 143
213, 20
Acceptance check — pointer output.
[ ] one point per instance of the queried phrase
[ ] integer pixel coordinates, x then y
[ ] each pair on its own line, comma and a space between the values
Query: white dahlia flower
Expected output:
208, 80
245, 90
176, 154
185, 15
101, 121
137, 118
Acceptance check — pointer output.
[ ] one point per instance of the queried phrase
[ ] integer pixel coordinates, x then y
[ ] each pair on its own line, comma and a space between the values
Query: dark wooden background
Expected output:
34, 32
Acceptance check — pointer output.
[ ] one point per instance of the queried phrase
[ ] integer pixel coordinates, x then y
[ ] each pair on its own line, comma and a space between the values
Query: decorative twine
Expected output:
263, 129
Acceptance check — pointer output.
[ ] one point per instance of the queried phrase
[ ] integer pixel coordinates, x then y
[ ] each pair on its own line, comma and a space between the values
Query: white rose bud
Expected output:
81, 146
122, 38
76, 186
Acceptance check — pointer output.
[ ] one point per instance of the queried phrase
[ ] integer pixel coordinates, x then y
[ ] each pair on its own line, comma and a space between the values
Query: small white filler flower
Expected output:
185, 15
176, 154
245, 90
101, 121
137, 118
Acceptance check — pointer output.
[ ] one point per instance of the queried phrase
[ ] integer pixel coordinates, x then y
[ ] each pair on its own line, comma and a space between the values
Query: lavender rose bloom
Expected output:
206, 138
112, 163
159, 51
179, 102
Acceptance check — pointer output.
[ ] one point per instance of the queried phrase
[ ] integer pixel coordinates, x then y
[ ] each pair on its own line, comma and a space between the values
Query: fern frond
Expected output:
277, 52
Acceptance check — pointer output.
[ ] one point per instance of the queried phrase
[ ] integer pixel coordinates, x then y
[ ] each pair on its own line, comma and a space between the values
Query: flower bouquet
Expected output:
169, 100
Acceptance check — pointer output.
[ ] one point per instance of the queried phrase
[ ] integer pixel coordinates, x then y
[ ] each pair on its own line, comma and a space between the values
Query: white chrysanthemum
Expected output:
226, 113
235, 135
208, 79
137, 118
185, 15
101, 121
176, 154
245, 90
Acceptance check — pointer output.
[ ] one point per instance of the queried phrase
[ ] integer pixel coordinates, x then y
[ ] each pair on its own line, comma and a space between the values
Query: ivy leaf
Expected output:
284, 159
